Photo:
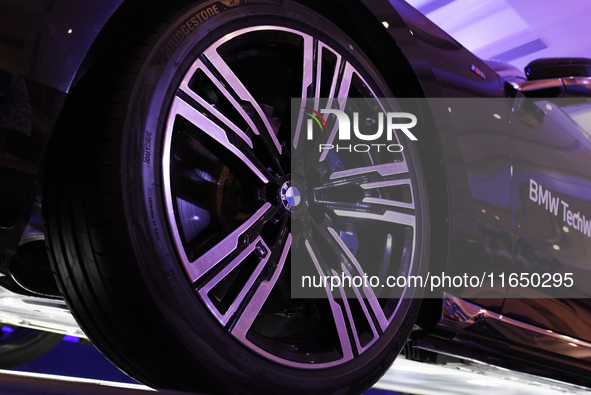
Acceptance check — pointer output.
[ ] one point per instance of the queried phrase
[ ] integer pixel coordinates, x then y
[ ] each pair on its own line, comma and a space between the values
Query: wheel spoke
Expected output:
233, 84
343, 92
344, 85
354, 266
387, 216
337, 311
312, 80
245, 321
370, 189
365, 318
340, 84
198, 66
389, 202
222, 312
386, 169
394, 217
335, 74
191, 114
359, 194
197, 268
356, 312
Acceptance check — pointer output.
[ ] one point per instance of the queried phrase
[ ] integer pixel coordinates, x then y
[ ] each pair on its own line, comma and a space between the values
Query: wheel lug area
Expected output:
246, 240
260, 250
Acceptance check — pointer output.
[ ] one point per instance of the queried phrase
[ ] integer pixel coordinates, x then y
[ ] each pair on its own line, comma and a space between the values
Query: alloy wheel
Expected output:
247, 196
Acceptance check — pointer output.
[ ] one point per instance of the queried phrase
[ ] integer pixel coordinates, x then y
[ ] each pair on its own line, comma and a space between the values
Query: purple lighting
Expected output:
69, 338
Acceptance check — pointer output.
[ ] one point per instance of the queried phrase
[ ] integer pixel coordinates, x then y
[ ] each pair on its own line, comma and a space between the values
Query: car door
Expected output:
551, 195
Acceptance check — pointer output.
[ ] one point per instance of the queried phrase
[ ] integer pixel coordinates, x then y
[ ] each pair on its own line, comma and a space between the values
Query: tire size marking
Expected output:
153, 217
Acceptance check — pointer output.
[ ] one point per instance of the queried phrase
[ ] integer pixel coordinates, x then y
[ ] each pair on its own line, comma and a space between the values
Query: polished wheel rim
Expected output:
242, 195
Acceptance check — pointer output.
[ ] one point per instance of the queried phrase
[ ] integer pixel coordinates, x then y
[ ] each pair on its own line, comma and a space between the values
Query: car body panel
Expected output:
47, 41
468, 331
42, 47
23, 141
551, 162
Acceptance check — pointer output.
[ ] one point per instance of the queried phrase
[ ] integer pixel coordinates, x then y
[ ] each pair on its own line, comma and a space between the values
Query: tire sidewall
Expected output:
189, 320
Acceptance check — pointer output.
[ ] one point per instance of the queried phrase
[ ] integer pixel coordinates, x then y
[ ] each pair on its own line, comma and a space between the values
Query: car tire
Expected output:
165, 230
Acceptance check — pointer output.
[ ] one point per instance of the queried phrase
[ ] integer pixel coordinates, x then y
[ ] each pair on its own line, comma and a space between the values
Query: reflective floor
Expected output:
467, 378
24, 383
76, 367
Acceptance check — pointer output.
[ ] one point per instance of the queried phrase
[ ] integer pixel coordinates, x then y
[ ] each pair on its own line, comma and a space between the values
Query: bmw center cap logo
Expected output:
290, 196
293, 196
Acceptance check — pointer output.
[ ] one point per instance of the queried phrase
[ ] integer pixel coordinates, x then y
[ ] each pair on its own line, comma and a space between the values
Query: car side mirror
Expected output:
548, 78
554, 77
546, 68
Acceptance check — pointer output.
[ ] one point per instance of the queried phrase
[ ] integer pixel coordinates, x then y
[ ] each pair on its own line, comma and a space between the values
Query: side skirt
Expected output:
468, 331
